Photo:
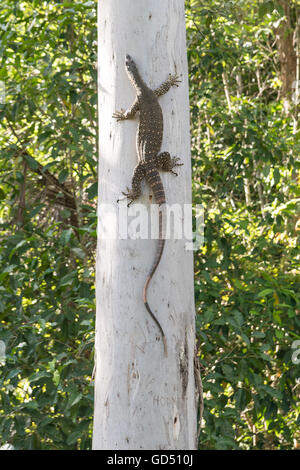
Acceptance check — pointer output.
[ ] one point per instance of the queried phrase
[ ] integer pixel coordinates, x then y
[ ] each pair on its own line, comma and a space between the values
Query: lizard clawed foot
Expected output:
167, 163
174, 162
118, 200
127, 195
174, 80
130, 195
119, 115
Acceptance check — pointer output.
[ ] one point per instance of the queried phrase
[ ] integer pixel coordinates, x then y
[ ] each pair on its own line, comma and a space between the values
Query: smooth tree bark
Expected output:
143, 399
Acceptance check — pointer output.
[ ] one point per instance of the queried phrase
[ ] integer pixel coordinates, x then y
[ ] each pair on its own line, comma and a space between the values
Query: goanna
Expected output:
150, 161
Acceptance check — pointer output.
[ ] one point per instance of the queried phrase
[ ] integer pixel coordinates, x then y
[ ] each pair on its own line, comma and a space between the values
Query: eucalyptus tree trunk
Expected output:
143, 399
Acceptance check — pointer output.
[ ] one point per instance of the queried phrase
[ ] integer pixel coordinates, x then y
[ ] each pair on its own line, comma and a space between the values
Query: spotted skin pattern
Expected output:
150, 161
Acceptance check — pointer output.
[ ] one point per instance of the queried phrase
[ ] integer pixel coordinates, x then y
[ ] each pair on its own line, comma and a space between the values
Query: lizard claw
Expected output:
128, 192
119, 115
121, 199
127, 195
175, 161
130, 195
174, 80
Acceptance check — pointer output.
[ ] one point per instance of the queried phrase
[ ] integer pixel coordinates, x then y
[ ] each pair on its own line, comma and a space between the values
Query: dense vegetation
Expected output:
245, 141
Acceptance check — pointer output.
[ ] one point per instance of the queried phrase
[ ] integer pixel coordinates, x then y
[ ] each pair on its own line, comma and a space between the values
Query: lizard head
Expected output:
130, 64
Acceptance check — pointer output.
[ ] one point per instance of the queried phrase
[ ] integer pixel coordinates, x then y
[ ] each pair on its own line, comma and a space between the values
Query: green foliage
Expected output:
245, 175
246, 282
47, 326
48, 167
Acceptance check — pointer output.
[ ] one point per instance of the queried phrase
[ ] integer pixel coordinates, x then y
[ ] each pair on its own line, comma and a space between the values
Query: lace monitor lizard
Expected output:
150, 161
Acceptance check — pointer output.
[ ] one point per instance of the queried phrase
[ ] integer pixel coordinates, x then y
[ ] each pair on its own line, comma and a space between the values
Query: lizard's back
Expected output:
150, 129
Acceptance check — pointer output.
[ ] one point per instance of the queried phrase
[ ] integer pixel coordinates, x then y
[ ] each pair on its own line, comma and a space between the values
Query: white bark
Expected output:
143, 400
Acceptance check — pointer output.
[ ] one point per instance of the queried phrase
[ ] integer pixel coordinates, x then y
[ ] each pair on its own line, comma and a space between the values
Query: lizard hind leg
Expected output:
165, 162
137, 178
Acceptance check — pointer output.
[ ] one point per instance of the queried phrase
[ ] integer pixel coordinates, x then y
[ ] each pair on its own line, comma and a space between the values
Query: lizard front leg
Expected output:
130, 113
172, 80
138, 176
164, 161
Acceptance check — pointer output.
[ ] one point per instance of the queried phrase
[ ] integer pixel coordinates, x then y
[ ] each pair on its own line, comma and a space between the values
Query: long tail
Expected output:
160, 249
157, 186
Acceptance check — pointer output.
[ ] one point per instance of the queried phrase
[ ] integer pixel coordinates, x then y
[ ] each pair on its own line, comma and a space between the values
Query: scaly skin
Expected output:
148, 143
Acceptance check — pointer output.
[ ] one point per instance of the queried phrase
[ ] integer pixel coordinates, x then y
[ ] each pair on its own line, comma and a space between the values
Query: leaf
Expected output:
35, 211
21, 243
264, 293
66, 236
74, 399
271, 391
228, 371
32, 163
5, 403
279, 334
258, 334
68, 279
73, 437
78, 252
63, 175
92, 191
56, 378
246, 339
37, 376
